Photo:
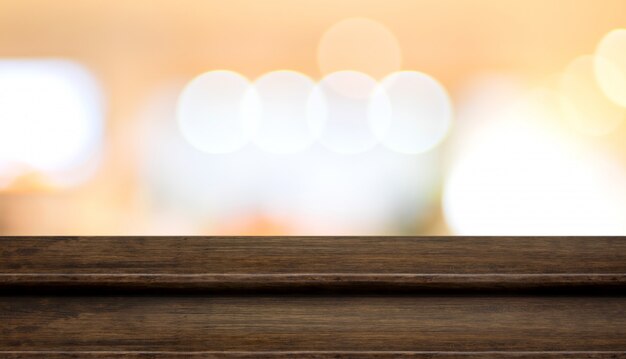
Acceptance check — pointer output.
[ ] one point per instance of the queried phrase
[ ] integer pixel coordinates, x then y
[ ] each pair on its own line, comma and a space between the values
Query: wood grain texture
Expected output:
255, 263
372, 297
313, 323
315, 355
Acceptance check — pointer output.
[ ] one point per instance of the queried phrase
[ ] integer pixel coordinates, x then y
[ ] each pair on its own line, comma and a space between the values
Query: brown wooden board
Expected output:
313, 297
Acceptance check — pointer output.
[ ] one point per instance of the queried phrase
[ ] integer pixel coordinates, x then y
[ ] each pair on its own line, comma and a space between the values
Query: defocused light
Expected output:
215, 112
584, 104
481, 100
50, 117
179, 179
516, 178
356, 109
312, 193
290, 118
361, 45
421, 112
610, 65
372, 193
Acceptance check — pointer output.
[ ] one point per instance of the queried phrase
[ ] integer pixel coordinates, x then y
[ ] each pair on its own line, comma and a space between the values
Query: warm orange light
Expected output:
359, 44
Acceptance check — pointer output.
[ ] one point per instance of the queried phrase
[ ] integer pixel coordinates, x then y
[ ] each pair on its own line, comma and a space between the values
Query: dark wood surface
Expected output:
314, 355
333, 262
313, 297
314, 323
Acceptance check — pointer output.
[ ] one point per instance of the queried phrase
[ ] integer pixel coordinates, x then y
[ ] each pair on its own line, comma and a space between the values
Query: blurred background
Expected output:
283, 117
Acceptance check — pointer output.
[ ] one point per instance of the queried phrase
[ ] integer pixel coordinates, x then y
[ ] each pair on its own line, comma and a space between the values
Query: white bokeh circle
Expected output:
216, 112
421, 113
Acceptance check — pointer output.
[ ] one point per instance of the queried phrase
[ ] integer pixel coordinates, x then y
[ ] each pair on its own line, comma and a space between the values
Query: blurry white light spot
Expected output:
50, 115
421, 112
290, 117
356, 109
584, 104
216, 112
361, 45
516, 178
610, 65
316, 192
377, 192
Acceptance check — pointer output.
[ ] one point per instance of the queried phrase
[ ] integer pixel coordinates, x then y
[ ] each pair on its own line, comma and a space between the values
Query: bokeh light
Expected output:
359, 44
376, 192
356, 110
190, 186
216, 112
290, 117
584, 104
610, 65
401, 118
481, 100
421, 112
50, 118
517, 178
253, 191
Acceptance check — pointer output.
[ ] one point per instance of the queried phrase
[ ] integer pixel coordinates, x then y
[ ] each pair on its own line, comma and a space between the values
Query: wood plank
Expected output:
360, 311
253, 263
313, 323
315, 355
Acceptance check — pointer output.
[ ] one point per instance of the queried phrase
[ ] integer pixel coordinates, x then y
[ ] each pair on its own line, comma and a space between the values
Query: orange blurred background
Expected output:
486, 54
